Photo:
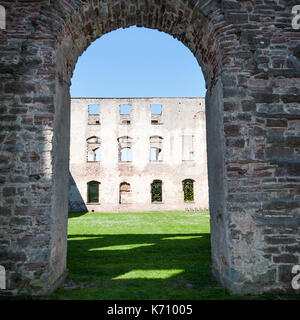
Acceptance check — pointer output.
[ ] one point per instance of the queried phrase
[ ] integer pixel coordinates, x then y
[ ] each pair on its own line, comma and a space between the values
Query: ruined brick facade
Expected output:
249, 54
176, 132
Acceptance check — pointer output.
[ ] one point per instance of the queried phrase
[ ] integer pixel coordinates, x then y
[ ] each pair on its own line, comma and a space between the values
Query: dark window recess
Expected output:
188, 190
94, 119
93, 192
154, 122
156, 191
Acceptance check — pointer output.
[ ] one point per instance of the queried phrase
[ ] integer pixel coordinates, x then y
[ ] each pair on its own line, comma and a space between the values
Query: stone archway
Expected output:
250, 58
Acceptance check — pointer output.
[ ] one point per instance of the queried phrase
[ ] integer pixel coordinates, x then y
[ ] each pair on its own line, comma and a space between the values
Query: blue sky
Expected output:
137, 62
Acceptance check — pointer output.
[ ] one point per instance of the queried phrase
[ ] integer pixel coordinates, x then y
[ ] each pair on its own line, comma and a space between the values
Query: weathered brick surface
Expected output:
249, 54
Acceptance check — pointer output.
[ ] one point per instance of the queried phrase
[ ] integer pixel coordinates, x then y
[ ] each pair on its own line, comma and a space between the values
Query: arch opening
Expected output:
125, 193
203, 41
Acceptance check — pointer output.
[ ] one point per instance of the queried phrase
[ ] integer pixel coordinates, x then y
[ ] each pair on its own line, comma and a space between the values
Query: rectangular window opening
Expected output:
156, 191
125, 109
188, 189
93, 192
188, 148
156, 108
94, 109
155, 154
125, 155
96, 154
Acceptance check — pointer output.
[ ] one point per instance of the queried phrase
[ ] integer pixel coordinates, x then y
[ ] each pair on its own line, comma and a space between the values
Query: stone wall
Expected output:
181, 118
249, 54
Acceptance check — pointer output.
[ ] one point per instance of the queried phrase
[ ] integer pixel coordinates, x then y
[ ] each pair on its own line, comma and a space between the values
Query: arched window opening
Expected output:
93, 192
188, 190
156, 191
125, 193
94, 140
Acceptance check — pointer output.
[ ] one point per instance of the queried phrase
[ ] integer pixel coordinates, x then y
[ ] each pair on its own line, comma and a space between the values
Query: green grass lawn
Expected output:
144, 255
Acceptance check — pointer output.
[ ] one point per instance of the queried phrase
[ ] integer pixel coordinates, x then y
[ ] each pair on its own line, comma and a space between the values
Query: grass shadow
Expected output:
76, 214
156, 266
146, 255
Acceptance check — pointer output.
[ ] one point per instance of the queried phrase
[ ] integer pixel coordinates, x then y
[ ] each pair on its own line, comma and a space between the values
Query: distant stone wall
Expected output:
180, 136
249, 54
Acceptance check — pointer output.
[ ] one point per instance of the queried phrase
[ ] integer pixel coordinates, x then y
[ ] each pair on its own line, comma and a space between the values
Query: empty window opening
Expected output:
125, 154
125, 109
125, 144
156, 109
94, 109
94, 114
188, 190
126, 122
93, 192
188, 147
155, 154
96, 154
93, 149
156, 191
125, 193
192, 156
156, 146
